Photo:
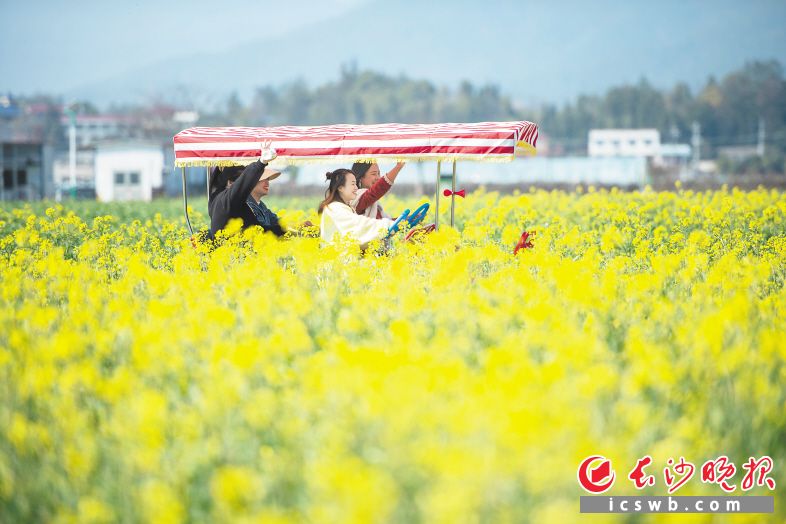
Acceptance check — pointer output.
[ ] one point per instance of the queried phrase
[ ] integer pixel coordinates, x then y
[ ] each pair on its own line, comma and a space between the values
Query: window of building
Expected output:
120, 179
8, 179
599, 143
133, 179
632, 142
21, 177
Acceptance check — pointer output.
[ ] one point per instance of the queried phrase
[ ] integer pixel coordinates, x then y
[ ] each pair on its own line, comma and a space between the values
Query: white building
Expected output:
84, 168
625, 143
128, 170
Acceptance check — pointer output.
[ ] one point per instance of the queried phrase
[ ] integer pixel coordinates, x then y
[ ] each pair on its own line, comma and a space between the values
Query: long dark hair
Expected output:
335, 180
220, 176
360, 169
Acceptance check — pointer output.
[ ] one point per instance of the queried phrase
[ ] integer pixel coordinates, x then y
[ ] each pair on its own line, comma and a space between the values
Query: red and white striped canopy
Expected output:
483, 142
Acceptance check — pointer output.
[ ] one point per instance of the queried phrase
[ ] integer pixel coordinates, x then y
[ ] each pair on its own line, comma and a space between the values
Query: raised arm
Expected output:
240, 189
393, 173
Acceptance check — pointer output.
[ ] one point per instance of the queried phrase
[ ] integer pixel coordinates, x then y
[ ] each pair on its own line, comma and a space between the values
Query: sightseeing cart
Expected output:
344, 144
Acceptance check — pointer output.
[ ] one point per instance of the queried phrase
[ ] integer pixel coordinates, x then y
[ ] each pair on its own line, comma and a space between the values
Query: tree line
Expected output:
729, 111
367, 97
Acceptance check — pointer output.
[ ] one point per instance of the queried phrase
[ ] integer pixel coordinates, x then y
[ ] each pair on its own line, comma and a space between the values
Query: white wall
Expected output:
147, 161
621, 171
527, 170
85, 168
624, 143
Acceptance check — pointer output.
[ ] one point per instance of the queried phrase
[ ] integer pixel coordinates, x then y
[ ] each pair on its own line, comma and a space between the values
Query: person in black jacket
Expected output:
265, 217
230, 194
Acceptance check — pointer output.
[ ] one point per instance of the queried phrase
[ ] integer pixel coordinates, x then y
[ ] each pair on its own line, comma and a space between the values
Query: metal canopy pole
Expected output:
207, 179
453, 194
436, 204
185, 200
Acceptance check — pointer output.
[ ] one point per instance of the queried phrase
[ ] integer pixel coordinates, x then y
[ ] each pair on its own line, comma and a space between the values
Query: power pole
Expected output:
72, 149
696, 144
762, 136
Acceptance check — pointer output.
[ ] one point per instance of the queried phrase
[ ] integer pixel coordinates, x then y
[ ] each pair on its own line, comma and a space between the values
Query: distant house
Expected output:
128, 170
24, 166
676, 156
625, 143
25, 155
84, 169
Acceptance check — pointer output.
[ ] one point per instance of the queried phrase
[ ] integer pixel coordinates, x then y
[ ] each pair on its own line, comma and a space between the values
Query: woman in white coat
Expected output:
339, 219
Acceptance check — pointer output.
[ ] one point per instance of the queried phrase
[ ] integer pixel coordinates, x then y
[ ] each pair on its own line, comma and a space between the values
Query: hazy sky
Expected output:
534, 50
40, 38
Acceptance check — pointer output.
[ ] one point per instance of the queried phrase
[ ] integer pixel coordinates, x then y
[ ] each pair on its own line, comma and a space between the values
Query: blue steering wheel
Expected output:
418, 215
394, 228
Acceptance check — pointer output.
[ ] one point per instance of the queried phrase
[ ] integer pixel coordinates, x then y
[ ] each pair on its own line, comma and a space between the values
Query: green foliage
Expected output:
367, 97
728, 111
772, 162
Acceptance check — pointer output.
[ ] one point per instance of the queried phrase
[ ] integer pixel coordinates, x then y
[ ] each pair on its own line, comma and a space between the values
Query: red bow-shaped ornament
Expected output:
460, 193
524, 241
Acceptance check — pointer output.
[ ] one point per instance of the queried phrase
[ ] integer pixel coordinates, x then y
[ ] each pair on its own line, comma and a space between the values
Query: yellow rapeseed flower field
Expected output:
144, 380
